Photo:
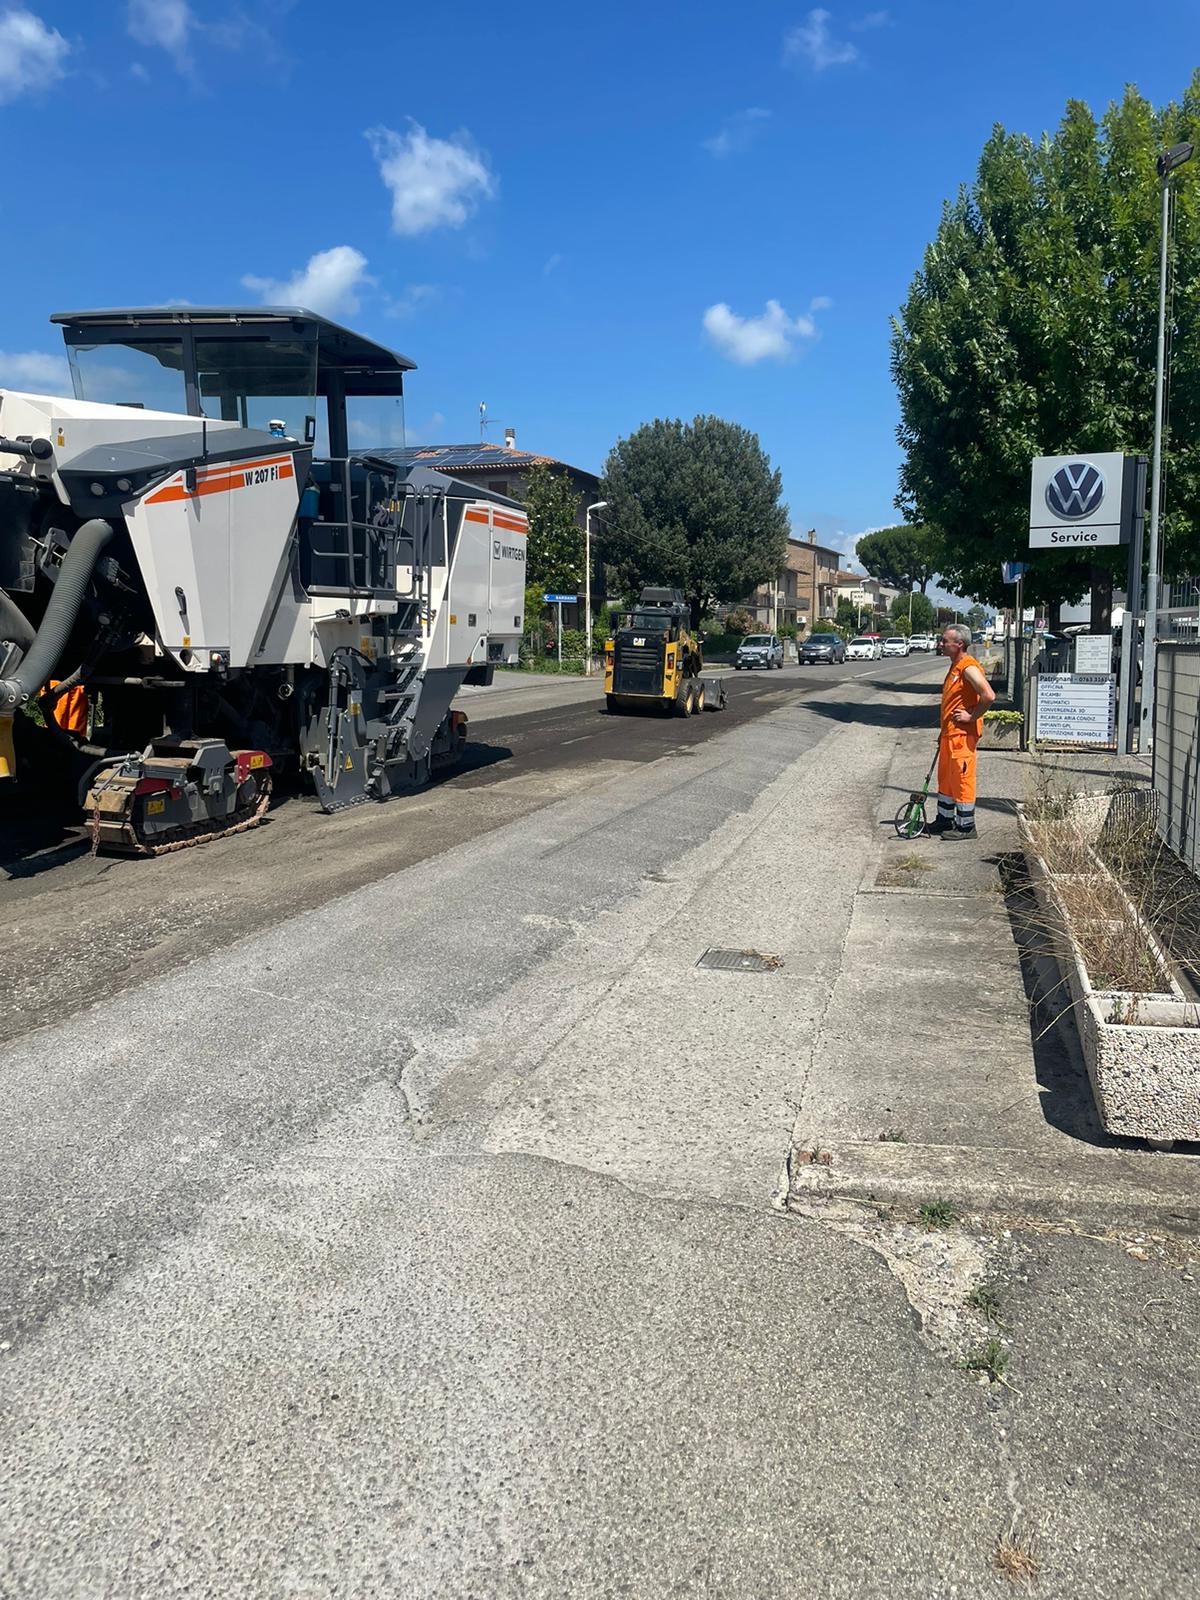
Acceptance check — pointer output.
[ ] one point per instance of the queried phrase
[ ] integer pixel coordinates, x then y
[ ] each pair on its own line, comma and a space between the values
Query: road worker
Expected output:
966, 695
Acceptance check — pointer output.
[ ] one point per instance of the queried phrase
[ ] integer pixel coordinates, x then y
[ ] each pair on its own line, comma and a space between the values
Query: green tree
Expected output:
696, 506
555, 538
1030, 330
923, 615
847, 615
903, 555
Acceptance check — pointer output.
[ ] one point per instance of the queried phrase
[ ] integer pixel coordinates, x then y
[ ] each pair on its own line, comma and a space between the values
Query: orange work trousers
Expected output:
956, 765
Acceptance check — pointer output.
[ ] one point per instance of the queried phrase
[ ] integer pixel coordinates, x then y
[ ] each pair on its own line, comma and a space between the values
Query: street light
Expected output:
1167, 163
598, 505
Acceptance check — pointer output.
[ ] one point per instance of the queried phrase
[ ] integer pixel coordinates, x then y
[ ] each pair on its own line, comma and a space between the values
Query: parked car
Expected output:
864, 648
896, 645
829, 647
759, 650
921, 641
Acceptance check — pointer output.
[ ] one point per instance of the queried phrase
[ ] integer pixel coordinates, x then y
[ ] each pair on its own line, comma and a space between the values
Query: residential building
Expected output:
872, 594
501, 468
805, 590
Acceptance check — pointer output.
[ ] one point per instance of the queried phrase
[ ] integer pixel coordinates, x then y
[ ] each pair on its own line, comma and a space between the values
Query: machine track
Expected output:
119, 833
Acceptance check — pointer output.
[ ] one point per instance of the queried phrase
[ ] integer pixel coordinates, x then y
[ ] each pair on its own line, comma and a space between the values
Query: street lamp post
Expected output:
1167, 164
598, 505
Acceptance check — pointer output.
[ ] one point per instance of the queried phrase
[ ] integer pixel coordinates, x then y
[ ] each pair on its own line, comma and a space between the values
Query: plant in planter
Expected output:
1002, 727
1092, 864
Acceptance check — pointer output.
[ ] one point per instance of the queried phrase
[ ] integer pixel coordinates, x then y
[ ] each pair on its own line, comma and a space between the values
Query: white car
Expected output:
897, 645
921, 641
864, 650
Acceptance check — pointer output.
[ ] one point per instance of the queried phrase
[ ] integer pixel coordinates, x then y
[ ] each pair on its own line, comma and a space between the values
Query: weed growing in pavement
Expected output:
937, 1214
1015, 1556
985, 1298
913, 863
990, 1357
893, 1136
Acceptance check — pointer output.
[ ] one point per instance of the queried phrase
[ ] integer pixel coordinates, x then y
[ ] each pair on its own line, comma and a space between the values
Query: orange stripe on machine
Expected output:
223, 479
510, 524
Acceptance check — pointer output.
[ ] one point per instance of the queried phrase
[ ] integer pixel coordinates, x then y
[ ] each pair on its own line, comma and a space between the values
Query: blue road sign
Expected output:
1012, 570
560, 599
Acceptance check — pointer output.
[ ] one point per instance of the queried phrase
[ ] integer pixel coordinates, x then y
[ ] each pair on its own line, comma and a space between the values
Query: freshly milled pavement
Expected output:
428, 1244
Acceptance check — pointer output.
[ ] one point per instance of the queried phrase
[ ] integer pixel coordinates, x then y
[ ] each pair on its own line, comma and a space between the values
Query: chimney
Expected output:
510, 438
812, 536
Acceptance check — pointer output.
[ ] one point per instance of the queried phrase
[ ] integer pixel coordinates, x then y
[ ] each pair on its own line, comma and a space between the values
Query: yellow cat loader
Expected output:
653, 662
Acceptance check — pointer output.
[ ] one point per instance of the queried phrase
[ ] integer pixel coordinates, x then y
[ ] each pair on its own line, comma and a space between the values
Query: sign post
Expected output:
1014, 572
559, 600
1081, 502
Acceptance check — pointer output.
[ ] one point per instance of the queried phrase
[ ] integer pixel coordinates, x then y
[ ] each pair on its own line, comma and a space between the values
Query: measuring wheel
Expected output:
909, 821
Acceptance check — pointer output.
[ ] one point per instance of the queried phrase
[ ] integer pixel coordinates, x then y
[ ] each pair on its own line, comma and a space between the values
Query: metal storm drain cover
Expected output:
739, 961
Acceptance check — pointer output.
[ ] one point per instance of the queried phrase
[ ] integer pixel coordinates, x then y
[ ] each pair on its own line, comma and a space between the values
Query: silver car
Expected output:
759, 650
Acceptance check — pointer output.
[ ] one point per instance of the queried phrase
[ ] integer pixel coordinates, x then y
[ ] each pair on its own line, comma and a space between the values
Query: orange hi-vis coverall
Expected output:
956, 754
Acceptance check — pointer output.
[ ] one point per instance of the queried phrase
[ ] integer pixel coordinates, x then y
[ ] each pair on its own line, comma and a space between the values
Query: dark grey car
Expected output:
827, 647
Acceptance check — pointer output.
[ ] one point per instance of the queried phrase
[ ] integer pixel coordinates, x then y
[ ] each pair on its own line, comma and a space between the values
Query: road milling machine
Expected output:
191, 543
654, 663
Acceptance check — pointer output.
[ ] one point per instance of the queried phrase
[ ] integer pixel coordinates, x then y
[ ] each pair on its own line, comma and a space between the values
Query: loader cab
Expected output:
293, 376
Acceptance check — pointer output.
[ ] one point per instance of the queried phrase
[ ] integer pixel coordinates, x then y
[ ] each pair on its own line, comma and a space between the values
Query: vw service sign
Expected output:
1077, 501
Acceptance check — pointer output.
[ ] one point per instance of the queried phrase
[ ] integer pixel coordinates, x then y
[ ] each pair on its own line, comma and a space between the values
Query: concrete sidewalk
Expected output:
948, 1063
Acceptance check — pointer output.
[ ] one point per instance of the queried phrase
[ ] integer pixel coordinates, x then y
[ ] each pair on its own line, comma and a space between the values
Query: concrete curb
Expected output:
1106, 1187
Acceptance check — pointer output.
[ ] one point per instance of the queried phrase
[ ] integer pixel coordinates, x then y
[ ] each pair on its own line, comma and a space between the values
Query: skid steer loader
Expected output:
653, 662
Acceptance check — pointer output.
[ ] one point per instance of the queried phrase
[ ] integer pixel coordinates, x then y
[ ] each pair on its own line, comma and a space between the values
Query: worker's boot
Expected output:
952, 833
938, 828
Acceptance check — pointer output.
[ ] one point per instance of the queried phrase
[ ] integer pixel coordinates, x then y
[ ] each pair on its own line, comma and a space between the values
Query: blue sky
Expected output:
585, 219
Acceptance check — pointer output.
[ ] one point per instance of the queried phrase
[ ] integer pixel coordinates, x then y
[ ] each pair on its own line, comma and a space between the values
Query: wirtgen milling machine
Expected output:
227, 599
653, 662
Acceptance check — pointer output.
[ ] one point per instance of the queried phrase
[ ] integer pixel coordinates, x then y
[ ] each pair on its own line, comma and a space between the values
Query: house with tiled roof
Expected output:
502, 468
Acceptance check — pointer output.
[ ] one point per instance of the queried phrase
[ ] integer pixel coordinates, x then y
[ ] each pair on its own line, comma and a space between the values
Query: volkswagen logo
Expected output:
1075, 490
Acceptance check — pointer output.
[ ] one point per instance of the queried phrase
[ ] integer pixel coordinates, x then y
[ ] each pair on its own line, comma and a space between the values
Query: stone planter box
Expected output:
1142, 1049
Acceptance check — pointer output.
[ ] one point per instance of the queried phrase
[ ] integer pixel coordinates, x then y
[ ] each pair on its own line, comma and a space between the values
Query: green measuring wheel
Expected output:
909, 821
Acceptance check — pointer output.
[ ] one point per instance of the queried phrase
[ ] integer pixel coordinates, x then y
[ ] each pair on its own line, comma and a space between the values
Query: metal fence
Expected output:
1177, 748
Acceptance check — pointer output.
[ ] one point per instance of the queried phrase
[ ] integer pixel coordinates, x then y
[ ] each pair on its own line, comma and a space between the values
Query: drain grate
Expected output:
739, 961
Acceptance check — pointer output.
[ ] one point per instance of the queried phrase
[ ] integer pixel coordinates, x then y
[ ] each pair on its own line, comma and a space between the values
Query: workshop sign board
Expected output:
1093, 652
1081, 501
1077, 707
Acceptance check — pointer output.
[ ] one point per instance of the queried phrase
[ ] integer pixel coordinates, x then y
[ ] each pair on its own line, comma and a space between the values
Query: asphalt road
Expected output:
421, 1238
111, 921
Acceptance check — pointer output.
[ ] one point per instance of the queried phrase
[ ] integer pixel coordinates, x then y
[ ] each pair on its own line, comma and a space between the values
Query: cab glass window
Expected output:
149, 375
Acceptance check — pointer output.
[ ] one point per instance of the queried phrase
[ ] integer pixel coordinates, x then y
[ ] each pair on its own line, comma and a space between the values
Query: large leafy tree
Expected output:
1030, 330
694, 505
556, 544
903, 556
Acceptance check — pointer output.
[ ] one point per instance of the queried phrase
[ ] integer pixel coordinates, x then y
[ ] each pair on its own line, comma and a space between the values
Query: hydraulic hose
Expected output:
15, 626
78, 564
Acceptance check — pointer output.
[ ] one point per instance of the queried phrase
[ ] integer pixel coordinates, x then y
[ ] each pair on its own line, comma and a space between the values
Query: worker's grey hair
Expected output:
963, 632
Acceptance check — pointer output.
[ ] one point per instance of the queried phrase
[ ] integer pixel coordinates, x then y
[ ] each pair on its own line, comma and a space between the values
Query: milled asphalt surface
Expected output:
430, 1242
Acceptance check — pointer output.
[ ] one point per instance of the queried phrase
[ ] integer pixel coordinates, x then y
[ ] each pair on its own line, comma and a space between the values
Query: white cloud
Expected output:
165, 25
429, 431
328, 284
434, 183
552, 264
738, 132
34, 371
812, 42
415, 296
31, 55
747, 340
872, 20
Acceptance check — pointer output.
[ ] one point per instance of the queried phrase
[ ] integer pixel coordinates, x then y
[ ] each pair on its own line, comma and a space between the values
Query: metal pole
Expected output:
558, 630
587, 591
1018, 678
1146, 721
